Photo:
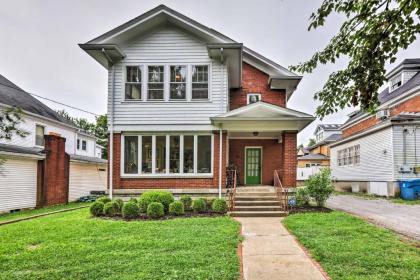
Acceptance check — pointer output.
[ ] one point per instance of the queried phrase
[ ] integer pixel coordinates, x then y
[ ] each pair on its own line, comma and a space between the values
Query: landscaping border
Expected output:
41, 215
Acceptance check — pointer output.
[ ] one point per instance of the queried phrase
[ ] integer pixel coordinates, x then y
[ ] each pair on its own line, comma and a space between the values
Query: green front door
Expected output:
252, 166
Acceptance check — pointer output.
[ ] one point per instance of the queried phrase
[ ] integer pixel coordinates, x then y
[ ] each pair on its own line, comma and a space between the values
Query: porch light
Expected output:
255, 133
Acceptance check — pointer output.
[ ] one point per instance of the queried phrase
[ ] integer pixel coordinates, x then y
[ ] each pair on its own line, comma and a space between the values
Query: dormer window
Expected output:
395, 82
253, 98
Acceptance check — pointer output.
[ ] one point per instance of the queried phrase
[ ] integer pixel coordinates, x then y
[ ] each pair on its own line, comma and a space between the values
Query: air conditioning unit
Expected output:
382, 114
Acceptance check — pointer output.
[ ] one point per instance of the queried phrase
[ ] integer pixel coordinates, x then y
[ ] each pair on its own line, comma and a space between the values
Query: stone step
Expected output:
257, 203
255, 193
255, 198
257, 214
257, 208
255, 189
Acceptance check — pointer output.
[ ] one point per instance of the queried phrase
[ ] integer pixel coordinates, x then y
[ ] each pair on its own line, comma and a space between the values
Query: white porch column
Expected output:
220, 161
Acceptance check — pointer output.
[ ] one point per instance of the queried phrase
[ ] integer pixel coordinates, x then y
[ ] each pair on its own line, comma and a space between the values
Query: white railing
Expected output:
303, 173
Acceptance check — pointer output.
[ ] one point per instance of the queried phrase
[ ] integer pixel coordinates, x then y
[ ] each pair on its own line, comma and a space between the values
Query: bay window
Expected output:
178, 82
155, 82
200, 82
133, 83
167, 155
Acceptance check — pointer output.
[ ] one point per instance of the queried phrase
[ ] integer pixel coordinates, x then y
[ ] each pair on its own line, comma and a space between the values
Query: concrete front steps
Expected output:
259, 201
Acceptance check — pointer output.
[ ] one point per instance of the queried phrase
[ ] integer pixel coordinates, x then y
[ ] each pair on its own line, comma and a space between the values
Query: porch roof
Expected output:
262, 116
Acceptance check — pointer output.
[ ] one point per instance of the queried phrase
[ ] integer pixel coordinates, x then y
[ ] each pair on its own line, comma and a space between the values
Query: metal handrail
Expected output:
282, 193
232, 193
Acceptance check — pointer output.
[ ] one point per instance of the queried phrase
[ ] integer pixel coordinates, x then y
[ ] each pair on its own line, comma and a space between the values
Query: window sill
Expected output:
164, 101
167, 176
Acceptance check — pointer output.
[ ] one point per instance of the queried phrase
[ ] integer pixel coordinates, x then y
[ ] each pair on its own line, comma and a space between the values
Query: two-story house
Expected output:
377, 151
23, 158
185, 102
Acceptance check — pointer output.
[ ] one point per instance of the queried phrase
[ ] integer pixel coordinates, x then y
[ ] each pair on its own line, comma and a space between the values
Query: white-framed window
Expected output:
39, 135
167, 155
253, 98
156, 82
178, 82
200, 82
395, 82
133, 83
84, 145
349, 156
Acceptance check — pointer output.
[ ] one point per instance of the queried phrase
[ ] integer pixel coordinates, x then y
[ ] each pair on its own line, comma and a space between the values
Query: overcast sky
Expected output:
39, 51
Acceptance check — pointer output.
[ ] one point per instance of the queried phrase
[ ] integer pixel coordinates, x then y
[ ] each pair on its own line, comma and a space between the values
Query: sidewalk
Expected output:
270, 252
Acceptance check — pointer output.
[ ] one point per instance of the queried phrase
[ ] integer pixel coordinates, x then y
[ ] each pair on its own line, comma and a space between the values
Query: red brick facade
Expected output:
255, 81
411, 105
271, 157
289, 160
53, 172
171, 183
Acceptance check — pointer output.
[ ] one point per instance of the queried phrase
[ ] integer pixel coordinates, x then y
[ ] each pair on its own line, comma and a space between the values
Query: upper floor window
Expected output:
133, 83
395, 82
200, 82
253, 98
155, 83
78, 144
84, 145
178, 84
39, 135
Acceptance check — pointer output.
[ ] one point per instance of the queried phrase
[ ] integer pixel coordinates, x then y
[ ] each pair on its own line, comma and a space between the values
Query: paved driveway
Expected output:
404, 219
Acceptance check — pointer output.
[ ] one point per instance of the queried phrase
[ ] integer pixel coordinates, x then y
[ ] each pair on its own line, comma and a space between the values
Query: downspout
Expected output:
221, 134
111, 126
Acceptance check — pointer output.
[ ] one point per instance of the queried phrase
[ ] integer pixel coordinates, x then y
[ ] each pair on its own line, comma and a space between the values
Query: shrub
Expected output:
132, 199
148, 197
302, 196
209, 202
176, 208
199, 205
97, 208
104, 199
187, 201
155, 210
219, 205
130, 210
120, 203
320, 186
111, 208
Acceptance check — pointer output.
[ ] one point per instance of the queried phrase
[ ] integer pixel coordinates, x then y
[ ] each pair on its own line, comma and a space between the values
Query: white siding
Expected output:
29, 124
167, 46
84, 178
18, 183
412, 150
407, 75
376, 159
90, 146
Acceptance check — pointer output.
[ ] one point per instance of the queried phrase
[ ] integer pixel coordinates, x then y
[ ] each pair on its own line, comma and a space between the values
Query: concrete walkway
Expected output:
401, 218
270, 252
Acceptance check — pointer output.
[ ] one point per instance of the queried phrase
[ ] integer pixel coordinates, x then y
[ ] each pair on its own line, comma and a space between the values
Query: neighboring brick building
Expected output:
379, 150
181, 115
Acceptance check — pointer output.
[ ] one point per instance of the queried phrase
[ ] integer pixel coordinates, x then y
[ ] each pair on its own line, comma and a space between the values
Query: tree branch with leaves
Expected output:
372, 34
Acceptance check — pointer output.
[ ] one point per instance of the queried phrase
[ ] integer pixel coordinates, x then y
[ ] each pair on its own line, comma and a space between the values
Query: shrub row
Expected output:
155, 204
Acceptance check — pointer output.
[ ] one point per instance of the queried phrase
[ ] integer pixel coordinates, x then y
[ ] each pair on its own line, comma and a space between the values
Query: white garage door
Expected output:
85, 178
18, 180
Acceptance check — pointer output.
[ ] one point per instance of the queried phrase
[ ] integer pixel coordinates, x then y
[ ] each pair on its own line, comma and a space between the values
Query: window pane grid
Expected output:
178, 82
200, 82
349, 156
133, 83
155, 82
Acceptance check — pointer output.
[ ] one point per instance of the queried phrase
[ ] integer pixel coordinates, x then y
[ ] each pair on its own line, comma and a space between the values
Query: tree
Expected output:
372, 34
9, 121
311, 142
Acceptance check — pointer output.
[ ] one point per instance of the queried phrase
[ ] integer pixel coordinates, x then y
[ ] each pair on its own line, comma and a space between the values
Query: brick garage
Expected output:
255, 81
171, 183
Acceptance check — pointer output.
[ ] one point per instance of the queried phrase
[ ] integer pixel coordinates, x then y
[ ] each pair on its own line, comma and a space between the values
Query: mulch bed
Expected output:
144, 217
308, 209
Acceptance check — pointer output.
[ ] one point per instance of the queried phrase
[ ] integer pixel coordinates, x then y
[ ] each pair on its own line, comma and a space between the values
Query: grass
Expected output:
371, 196
31, 212
350, 248
71, 245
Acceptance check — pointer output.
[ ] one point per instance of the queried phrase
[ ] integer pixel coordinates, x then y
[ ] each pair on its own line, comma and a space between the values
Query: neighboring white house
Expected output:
18, 175
376, 151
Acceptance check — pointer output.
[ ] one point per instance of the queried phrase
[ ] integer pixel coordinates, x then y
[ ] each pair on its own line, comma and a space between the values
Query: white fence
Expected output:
303, 173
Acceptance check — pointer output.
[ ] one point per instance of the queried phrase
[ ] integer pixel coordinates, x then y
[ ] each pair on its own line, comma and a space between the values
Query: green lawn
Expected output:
369, 196
350, 248
32, 212
71, 245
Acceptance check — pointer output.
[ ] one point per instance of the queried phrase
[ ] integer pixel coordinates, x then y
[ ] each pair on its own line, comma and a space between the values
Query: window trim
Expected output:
248, 96
164, 83
208, 82
44, 127
85, 150
181, 174
347, 156
187, 82
141, 68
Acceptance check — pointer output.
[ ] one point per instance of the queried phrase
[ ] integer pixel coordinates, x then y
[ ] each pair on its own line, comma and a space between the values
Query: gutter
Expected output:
34, 156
